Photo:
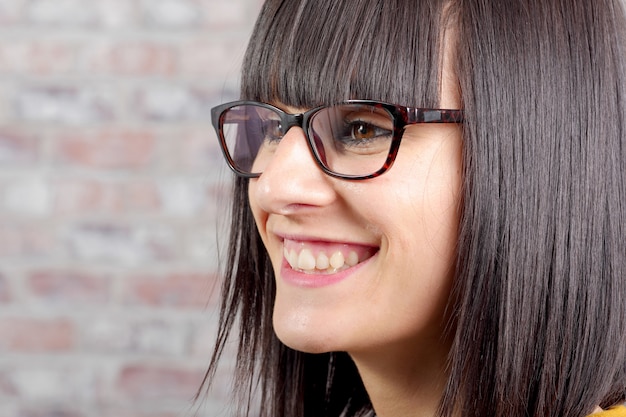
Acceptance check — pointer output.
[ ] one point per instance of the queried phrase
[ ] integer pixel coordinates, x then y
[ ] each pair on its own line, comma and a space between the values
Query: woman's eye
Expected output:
359, 131
272, 130
362, 131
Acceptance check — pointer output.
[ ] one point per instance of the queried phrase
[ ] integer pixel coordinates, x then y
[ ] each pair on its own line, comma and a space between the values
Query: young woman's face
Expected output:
392, 239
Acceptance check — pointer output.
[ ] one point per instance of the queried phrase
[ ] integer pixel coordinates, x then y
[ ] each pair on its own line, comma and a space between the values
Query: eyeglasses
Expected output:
354, 140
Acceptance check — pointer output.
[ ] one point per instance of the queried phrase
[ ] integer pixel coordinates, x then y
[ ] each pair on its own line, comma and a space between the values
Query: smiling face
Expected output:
363, 265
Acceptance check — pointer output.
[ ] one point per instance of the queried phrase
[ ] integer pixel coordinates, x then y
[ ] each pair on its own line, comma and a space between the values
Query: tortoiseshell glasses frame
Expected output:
352, 140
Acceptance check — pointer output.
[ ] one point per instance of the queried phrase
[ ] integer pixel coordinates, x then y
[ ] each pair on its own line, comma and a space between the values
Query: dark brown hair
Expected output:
539, 301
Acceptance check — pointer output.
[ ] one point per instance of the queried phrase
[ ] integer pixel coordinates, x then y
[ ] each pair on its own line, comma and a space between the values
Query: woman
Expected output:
459, 251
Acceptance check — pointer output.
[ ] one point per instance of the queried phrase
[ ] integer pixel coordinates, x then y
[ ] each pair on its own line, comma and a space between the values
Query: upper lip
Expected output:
313, 238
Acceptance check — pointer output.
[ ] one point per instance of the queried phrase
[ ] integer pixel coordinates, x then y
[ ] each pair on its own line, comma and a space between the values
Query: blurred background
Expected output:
111, 199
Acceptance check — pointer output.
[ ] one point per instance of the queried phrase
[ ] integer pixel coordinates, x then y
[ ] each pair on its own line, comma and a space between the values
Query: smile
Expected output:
324, 258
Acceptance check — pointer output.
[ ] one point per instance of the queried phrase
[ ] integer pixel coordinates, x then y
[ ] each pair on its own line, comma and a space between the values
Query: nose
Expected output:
292, 181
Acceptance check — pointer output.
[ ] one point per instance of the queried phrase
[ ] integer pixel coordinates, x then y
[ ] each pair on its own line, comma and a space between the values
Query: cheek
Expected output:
442, 198
426, 216
424, 224
441, 218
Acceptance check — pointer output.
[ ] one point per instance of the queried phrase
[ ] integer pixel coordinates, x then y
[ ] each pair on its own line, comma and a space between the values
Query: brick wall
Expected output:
110, 191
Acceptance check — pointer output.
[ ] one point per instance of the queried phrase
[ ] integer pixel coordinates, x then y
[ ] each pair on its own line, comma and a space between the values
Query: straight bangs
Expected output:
385, 50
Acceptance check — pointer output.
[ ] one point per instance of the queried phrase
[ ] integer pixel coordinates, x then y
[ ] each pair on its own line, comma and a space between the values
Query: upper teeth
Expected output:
305, 261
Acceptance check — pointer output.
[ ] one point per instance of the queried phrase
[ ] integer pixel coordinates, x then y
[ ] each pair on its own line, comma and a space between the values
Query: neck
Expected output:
401, 383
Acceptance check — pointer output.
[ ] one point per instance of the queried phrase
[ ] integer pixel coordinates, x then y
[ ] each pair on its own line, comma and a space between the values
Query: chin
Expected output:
300, 335
306, 344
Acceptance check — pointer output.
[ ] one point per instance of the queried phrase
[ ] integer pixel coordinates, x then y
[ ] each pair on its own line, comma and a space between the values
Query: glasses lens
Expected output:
352, 139
251, 133
347, 139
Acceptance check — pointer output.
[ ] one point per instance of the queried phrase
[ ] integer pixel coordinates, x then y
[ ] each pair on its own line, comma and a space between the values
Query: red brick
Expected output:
228, 14
69, 287
176, 290
133, 58
25, 241
109, 149
35, 335
36, 57
141, 195
73, 195
18, 148
161, 384
6, 385
5, 291
196, 151
76, 195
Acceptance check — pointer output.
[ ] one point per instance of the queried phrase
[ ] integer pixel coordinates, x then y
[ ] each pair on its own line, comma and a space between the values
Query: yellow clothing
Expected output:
618, 411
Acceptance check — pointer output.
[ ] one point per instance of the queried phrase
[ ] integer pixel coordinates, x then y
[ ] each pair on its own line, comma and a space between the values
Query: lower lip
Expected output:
300, 279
